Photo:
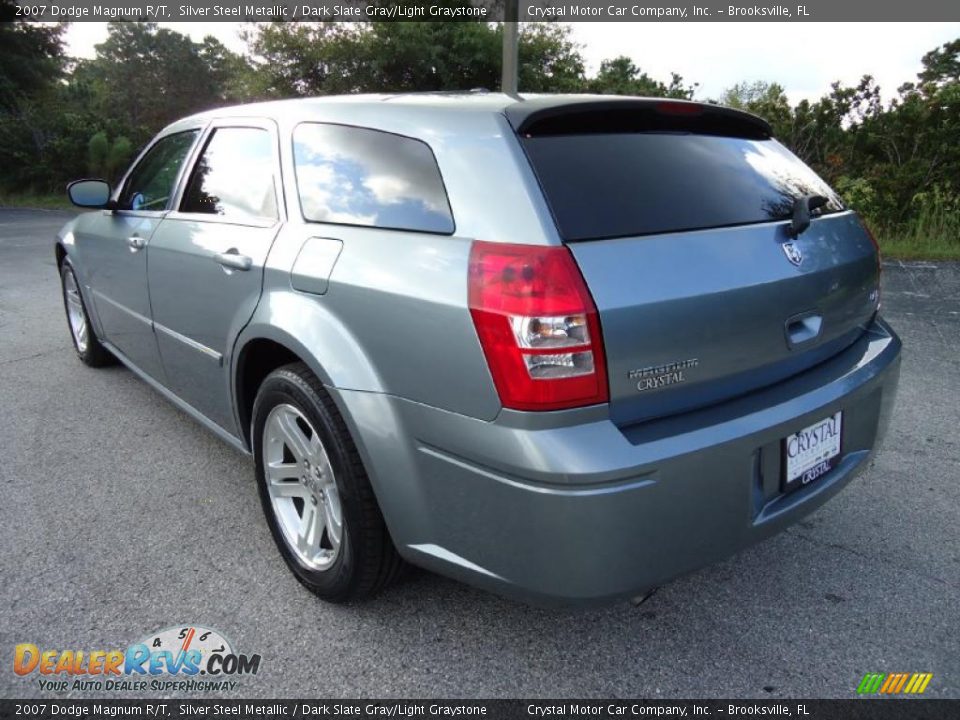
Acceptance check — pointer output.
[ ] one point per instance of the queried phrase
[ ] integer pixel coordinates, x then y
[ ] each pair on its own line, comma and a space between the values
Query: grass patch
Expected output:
42, 202
933, 235
919, 247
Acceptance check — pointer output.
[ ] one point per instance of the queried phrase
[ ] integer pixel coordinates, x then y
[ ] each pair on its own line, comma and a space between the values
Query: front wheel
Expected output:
315, 492
85, 340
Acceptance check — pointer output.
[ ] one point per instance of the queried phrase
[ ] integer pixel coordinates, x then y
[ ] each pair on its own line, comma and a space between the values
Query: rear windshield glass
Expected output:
614, 185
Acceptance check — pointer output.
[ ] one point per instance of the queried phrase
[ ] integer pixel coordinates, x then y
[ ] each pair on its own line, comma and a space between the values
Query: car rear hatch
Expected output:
678, 216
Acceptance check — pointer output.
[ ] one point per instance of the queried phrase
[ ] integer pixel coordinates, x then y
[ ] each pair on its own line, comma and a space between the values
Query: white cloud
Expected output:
318, 202
388, 189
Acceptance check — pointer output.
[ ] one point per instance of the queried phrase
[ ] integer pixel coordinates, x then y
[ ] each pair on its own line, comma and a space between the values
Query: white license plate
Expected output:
812, 452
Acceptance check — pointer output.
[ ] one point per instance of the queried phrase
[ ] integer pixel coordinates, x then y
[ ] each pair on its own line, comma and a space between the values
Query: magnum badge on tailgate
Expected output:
658, 376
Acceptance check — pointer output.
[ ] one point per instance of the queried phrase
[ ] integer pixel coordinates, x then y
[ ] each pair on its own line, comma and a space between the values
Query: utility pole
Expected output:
511, 41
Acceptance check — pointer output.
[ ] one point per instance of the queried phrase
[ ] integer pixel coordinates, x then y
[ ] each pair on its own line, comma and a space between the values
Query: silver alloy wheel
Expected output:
75, 313
303, 491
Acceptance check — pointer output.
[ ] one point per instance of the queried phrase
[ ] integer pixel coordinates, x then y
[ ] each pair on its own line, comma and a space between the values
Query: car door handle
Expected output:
136, 243
234, 260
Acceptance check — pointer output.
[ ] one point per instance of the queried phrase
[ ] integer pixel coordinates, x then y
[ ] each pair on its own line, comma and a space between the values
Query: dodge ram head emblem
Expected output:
793, 253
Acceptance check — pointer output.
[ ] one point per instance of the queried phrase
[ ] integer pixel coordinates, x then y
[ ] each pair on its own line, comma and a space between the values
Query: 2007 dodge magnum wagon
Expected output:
563, 347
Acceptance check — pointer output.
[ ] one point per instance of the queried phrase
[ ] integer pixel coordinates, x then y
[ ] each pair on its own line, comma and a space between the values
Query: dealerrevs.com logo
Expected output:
178, 659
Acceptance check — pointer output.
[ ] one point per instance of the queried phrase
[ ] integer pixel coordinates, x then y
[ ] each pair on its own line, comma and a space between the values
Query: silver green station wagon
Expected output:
564, 348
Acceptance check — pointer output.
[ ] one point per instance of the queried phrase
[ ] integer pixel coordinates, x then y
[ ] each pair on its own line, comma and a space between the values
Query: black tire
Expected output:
94, 354
367, 560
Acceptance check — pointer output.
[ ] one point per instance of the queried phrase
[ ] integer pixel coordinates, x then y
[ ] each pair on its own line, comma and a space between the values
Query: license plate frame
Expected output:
811, 452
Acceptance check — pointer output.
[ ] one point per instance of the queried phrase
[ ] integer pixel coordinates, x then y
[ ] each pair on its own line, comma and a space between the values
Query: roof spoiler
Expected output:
543, 116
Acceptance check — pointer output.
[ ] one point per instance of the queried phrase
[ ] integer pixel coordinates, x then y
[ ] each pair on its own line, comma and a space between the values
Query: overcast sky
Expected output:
803, 57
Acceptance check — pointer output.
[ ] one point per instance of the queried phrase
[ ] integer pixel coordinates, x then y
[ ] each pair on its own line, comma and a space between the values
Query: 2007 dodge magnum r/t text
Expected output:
563, 347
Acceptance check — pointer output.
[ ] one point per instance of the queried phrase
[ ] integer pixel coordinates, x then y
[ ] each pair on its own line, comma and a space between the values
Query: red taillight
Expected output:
537, 325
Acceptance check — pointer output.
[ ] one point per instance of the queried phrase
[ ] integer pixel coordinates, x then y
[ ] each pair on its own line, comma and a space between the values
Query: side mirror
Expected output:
90, 194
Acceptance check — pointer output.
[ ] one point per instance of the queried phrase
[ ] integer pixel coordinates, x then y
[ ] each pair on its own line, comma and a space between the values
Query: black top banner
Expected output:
491, 10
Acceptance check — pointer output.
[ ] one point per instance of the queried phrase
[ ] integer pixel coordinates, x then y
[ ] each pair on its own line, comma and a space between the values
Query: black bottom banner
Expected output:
506, 709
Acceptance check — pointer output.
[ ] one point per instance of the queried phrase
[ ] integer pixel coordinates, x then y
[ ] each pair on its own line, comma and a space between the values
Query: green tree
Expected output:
145, 76
31, 57
97, 150
620, 76
549, 60
299, 59
429, 56
106, 159
768, 100
941, 65
141, 78
121, 151
230, 74
32, 63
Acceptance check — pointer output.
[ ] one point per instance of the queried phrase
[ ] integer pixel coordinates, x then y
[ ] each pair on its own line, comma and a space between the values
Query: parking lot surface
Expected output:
121, 516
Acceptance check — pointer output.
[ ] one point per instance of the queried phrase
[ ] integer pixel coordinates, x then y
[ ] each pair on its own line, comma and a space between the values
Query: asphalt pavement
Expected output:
119, 516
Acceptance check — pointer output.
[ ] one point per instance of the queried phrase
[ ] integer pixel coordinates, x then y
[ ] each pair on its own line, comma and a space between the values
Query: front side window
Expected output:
234, 176
356, 176
151, 183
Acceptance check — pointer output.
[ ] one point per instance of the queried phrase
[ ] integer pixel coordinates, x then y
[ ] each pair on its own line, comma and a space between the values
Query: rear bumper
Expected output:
591, 512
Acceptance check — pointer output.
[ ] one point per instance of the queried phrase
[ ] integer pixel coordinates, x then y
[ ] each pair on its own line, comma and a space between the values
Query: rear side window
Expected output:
356, 176
621, 184
234, 176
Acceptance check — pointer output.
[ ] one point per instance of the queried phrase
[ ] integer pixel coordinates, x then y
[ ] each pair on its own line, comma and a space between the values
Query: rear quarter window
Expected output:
621, 184
357, 176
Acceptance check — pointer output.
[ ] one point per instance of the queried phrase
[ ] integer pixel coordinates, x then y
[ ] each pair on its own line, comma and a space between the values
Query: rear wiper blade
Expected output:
802, 208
